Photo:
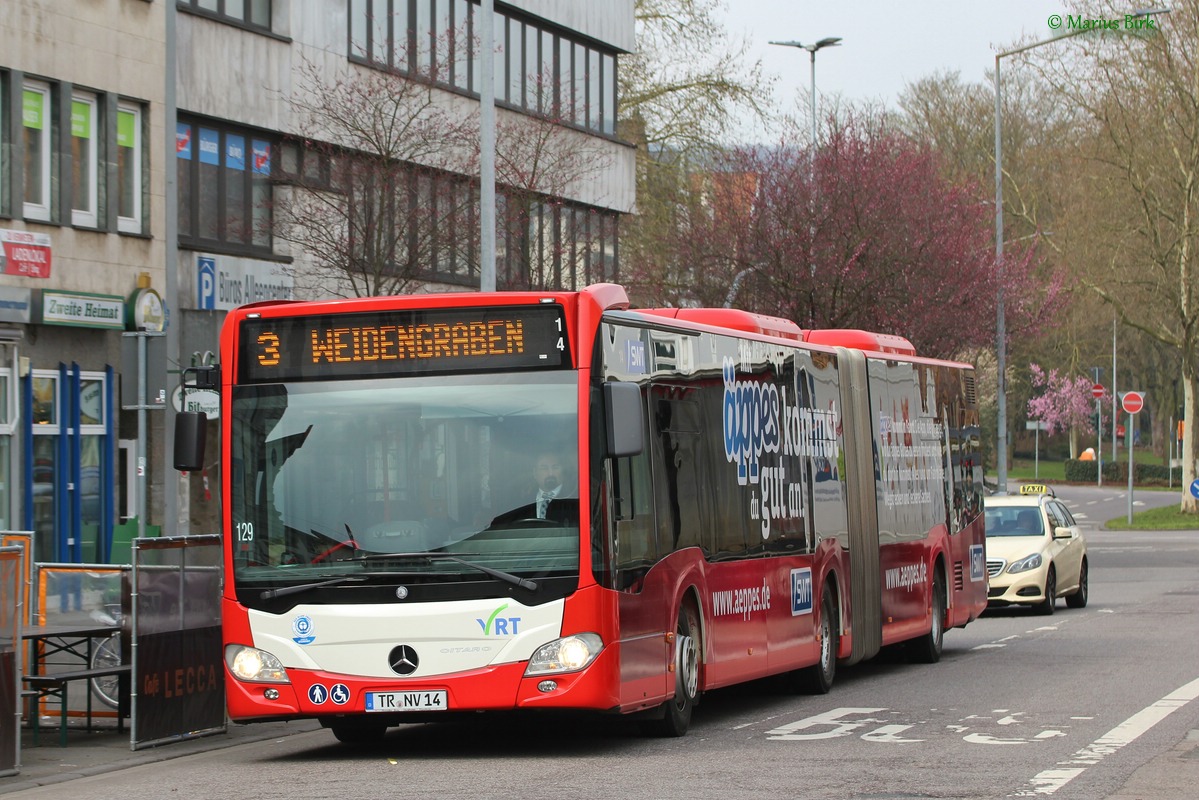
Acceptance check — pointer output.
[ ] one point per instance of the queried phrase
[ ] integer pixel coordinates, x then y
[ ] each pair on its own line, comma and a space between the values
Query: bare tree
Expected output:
1140, 89
384, 197
682, 93
363, 210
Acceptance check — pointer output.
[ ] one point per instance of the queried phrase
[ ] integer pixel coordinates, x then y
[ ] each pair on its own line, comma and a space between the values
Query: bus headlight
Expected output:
252, 664
1026, 563
568, 654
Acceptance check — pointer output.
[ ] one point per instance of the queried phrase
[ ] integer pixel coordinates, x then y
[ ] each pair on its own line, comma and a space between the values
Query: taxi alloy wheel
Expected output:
1046, 606
1079, 598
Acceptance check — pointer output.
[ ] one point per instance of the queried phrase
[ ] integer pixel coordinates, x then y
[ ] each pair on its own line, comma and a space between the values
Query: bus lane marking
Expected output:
1050, 780
997, 643
889, 734
833, 722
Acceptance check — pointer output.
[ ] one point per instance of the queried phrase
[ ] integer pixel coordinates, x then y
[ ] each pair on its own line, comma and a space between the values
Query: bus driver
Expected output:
551, 496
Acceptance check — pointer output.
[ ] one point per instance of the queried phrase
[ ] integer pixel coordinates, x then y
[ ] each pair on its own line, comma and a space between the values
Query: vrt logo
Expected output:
495, 625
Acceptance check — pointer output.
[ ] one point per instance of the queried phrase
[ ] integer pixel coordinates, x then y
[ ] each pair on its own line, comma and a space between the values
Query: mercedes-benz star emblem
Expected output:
403, 660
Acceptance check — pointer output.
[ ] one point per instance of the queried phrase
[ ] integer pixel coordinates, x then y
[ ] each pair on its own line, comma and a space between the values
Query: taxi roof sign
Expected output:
1036, 488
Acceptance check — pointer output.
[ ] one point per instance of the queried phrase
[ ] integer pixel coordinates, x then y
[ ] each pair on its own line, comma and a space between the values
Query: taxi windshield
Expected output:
330, 478
1015, 521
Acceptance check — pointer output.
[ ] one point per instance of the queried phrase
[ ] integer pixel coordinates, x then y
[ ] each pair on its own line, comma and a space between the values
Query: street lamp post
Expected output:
1000, 327
828, 41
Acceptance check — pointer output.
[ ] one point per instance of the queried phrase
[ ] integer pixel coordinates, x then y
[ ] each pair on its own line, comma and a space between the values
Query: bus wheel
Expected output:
676, 716
927, 649
358, 732
818, 678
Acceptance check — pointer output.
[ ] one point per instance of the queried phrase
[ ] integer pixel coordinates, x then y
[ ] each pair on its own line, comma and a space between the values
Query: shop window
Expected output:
45, 401
45, 464
6, 434
67, 471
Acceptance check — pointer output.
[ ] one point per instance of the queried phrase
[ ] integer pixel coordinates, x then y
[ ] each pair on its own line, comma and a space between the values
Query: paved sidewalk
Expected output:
1174, 775
106, 750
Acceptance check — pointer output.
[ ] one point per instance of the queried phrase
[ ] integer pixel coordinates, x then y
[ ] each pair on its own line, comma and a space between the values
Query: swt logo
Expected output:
495, 625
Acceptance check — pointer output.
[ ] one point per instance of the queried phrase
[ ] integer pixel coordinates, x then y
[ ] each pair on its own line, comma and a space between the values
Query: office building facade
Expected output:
88, 162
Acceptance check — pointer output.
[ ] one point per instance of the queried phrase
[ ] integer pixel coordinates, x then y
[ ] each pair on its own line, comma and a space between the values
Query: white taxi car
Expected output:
1036, 552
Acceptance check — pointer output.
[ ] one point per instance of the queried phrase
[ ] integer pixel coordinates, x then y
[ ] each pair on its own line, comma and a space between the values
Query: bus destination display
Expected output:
413, 341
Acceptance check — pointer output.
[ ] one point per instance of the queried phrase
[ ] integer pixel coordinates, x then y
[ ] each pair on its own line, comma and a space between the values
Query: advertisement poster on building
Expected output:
24, 253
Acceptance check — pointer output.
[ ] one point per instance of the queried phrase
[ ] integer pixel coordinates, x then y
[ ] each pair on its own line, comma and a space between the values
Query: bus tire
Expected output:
818, 678
676, 712
358, 732
927, 648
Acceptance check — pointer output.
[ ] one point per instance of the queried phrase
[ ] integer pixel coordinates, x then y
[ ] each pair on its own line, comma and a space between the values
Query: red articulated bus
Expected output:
474, 502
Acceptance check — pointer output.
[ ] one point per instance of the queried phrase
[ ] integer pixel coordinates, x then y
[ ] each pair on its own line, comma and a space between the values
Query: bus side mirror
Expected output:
190, 429
624, 419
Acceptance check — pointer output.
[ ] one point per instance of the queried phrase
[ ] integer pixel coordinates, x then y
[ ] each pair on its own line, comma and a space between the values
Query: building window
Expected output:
608, 93
536, 69
253, 13
224, 187
549, 244
35, 146
7, 403
84, 155
129, 168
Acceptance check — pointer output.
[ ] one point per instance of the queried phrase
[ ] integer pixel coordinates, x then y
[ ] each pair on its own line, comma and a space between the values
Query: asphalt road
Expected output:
1070, 705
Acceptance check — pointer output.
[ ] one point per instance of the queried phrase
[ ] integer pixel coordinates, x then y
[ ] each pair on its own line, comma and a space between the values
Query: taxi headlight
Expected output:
252, 664
1026, 563
568, 654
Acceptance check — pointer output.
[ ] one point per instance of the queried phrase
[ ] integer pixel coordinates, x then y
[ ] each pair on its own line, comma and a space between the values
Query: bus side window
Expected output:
680, 469
636, 542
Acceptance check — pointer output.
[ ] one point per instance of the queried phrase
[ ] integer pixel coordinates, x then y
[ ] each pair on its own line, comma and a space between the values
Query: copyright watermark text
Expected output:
1077, 22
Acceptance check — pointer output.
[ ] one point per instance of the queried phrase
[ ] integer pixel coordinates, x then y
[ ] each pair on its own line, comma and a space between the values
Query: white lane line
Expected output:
1128, 731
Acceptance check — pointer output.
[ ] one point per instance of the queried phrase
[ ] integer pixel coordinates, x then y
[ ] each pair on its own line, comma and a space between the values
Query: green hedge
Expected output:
1117, 471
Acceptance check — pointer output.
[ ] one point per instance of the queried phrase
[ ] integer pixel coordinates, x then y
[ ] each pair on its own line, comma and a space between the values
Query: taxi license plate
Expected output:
407, 701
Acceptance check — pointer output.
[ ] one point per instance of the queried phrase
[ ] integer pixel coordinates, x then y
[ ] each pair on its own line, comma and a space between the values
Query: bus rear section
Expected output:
481, 502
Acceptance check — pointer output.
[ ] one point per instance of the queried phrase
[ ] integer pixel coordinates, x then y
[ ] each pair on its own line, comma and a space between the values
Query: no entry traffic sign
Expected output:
1132, 402
1097, 391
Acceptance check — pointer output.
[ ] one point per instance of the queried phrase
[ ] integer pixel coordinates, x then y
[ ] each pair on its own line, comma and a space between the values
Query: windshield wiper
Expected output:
508, 577
303, 587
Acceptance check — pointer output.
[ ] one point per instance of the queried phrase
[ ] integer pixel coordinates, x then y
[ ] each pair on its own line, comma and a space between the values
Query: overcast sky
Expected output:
885, 43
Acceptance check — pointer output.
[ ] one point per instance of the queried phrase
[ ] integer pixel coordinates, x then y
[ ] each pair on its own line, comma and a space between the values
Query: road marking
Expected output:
829, 725
996, 643
1050, 780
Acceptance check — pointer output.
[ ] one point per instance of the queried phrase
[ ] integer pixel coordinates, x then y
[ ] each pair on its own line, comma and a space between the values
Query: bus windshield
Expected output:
332, 477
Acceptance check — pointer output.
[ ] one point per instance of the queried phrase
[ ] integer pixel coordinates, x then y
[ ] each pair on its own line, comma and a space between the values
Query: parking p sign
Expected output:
206, 283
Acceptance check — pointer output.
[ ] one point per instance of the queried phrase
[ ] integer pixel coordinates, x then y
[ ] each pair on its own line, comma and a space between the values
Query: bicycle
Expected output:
107, 654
